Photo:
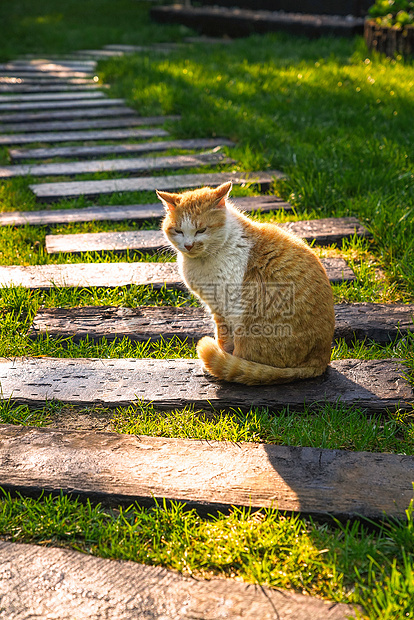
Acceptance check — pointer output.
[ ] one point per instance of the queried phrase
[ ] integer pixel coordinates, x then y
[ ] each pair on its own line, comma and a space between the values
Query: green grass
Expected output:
338, 121
61, 26
345, 563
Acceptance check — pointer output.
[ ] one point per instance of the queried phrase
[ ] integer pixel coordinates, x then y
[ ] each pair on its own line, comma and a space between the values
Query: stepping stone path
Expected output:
55, 101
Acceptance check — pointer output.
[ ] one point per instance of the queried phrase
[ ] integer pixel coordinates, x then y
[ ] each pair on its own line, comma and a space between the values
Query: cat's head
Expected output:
195, 221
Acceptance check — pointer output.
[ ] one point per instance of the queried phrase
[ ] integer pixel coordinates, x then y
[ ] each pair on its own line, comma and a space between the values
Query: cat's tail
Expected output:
231, 368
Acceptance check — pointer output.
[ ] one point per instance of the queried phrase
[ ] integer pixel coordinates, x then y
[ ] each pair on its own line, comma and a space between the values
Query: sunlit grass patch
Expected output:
343, 562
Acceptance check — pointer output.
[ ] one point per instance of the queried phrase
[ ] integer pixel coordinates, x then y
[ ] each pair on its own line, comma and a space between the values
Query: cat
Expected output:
267, 291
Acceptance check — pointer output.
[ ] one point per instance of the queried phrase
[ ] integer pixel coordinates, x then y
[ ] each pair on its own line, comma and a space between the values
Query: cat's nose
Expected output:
188, 246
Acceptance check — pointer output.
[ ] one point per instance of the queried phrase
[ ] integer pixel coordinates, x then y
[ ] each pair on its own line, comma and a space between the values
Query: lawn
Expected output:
337, 120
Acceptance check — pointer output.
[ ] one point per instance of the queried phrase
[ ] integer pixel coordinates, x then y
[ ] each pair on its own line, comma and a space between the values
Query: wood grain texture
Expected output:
66, 115
46, 582
124, 212
82, 136
61, 126
327, 231
127, 165
382, 323
57, 104
208, 475
87, 151
154, 241
53, 96
122, 274
92, 274
374, 385
72, 189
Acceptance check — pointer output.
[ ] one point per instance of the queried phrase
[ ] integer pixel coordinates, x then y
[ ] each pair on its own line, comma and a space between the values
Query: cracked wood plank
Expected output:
47, 582
130, 164
322, 232
61, 126
82, 136
86, 151
382, 323
125, 212
50, 192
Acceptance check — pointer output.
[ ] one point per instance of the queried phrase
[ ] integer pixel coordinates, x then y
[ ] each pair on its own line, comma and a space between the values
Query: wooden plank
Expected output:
133, 121
75, 103
373, 385
50, 192
132, 49
130, 164
356, 321
382, 323
112, 275
69, 114
154, 241
54, 96
110, 322
98, 54
118, 213
33, 73
45, 80
101, 150
81, 136
239, 22
48, 88
327, 231
53, 63
47, 582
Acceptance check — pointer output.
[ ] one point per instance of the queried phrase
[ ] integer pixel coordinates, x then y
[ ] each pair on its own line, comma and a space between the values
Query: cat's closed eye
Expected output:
178, 231
201, 230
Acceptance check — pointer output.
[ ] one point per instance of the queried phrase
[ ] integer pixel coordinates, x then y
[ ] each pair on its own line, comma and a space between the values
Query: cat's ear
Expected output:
168, 200
221, 193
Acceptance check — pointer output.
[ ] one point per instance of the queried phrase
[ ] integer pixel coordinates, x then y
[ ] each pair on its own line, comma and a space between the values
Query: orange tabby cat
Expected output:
268, 293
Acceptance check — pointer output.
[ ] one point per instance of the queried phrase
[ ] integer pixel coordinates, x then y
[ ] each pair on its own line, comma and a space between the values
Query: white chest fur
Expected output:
217, 278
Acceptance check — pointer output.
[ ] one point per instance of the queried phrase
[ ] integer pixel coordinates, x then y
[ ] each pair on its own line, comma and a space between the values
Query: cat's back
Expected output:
277, 252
